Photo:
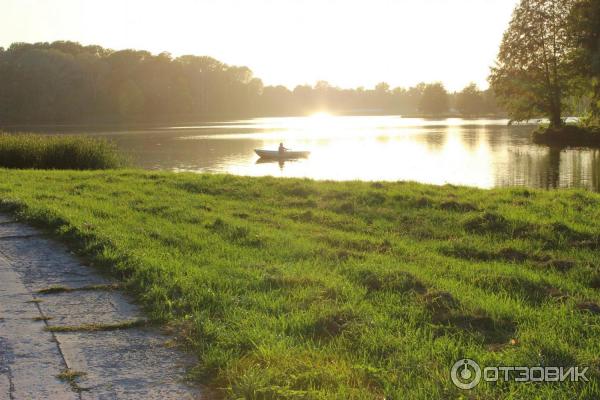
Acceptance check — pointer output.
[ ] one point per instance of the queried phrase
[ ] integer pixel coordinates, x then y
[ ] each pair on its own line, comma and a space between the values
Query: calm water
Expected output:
483, 153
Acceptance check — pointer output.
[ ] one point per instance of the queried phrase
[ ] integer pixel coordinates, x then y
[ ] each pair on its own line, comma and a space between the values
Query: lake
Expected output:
475, 152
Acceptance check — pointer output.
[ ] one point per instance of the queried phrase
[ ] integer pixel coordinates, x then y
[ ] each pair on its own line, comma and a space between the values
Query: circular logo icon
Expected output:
465, 374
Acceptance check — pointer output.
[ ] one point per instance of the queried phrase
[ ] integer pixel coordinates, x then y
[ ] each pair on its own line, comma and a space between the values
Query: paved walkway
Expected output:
42, 335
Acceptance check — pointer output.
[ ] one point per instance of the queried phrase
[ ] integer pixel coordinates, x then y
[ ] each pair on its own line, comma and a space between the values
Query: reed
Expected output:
33, 151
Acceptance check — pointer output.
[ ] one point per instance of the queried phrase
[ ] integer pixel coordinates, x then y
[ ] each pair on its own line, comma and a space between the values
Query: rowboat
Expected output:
285, 155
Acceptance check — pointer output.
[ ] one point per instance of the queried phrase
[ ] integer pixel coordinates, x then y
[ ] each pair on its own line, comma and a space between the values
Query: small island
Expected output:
567, 135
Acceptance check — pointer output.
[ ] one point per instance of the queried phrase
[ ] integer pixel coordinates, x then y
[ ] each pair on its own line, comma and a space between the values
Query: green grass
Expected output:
57, 152
297, 289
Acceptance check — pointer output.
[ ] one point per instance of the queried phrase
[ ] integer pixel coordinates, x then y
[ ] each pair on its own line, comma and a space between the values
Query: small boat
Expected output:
286, 155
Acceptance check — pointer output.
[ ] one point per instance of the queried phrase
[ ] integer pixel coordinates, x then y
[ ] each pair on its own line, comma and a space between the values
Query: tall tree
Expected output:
470, 101
585, 30
434, 99
532, 75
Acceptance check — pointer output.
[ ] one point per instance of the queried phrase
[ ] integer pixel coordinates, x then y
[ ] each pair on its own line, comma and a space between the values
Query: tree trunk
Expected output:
555, 120
555, 114
595, 103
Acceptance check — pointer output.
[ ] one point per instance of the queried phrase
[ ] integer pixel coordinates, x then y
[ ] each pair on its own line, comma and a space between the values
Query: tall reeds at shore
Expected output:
33, 151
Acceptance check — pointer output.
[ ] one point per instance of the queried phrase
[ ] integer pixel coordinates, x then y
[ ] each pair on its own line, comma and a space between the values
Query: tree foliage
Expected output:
65, 82
533, 74
434, 99
470, 100
585, 30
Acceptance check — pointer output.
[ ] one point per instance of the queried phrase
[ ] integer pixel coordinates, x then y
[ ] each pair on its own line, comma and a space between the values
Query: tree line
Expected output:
66, 82
429, 99
549, 62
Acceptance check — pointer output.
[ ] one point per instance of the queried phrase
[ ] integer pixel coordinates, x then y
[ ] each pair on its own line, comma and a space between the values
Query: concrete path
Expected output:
63, 344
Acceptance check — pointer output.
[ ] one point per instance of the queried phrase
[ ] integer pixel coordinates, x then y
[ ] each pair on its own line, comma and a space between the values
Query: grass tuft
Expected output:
42, 318
72, 377
98, 327
65, 289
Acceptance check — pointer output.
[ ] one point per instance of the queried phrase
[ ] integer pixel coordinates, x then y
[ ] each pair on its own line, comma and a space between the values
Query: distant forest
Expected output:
68, 83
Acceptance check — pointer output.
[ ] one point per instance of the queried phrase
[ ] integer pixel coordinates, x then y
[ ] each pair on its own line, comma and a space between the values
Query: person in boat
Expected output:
282, 149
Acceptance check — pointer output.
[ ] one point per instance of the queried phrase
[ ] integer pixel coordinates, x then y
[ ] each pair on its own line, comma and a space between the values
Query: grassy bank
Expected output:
57, 152
300, 289
568, 135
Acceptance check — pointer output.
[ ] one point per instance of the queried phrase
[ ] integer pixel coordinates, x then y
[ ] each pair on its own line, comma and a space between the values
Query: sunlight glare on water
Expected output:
480, 152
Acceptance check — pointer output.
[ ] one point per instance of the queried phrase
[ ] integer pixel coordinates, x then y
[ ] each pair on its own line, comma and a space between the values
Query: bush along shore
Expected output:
289, 288
34, 151
567, 135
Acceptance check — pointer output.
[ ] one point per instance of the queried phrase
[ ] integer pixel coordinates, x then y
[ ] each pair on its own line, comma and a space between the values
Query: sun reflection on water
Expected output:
482, 153
381, 151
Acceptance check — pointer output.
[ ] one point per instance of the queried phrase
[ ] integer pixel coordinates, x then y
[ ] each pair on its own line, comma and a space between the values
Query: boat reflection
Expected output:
279, 161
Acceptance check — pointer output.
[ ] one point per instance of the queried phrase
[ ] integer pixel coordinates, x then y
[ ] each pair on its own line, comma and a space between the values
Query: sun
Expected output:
319, 124
321, 115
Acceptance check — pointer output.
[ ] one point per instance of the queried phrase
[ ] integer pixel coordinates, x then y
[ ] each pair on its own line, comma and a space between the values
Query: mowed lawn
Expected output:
289, 288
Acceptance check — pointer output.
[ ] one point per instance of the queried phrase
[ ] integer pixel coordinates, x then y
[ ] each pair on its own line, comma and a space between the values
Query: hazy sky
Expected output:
349, 43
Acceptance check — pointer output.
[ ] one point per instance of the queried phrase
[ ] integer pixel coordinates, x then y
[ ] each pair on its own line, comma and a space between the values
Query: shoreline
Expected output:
52, 127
